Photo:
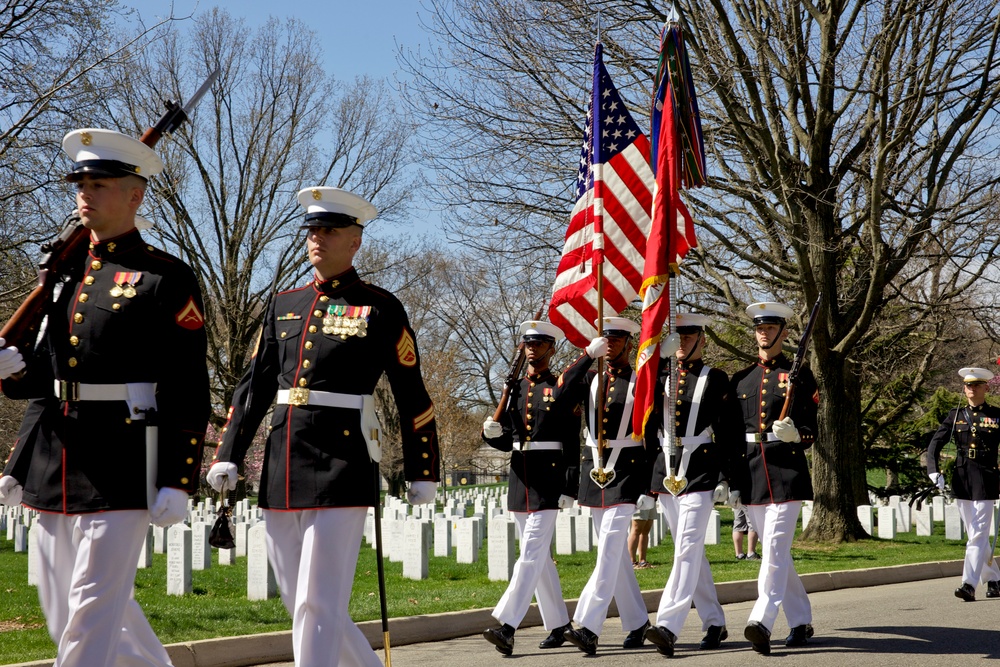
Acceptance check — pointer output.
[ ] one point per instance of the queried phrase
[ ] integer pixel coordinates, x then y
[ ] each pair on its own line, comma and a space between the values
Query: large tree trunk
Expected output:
838, 455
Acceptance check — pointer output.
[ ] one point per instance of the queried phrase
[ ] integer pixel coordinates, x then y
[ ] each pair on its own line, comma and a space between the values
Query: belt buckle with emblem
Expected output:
674, 484
298, 396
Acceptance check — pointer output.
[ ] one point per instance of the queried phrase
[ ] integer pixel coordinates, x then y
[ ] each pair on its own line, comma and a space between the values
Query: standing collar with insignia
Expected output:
693, 365
337, 282
620, 371
110, 248
771, 363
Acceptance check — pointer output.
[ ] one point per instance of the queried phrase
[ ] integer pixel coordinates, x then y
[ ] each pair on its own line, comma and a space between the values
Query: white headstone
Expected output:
370, 526
33, 557
565, 534
261, 584
954, 529
201, 550
887, 523
903, 515
414, 549
466, 542
807, 512
924, 519
159, 539
501, 553
178, 559
584, 532
393, 539
442, 536
241, 538
20, 538
937, 508
227, 556
866, 515
146, 550
714, 529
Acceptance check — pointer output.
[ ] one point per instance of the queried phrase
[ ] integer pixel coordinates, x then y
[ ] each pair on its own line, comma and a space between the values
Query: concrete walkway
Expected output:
423, 640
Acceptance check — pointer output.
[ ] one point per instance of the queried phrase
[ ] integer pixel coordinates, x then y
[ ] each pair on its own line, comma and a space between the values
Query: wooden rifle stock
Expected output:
21, 330
800, 355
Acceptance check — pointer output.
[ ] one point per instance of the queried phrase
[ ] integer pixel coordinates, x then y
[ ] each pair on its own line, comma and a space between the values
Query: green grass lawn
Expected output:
218, 606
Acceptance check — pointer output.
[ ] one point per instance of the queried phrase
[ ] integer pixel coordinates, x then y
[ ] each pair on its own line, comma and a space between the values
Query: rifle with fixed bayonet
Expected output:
800, 357
21, 330
513, 375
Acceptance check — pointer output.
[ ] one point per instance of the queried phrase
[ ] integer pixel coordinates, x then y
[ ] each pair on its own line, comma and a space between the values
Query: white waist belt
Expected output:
79, 391
328, 399
692, 441
615, 444
759, 437
539, 446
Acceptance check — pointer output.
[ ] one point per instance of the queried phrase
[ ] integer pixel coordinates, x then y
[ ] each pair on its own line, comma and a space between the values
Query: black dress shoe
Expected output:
799, 635
662, 639
966, 592
993, 589
636, 638
759, 637
714, 637
502, 638
556, 638
583, 639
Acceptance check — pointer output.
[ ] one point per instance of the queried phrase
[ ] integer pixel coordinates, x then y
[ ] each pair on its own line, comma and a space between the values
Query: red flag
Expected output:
610, 221
678, 160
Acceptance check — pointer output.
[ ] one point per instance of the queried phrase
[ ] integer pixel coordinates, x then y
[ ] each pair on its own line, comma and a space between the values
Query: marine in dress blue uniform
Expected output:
774, 479
702, 416
541, 429
123, 352
613, 484
975, 429
323, 348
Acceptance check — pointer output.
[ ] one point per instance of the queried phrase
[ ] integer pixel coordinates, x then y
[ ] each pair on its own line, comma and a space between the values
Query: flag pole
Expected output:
598, 253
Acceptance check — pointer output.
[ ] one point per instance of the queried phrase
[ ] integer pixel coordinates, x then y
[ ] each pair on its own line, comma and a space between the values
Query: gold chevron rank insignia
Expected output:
190, 317
423, 419
406, 350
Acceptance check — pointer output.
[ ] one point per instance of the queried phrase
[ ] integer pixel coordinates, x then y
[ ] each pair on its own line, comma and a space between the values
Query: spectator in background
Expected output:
742, 527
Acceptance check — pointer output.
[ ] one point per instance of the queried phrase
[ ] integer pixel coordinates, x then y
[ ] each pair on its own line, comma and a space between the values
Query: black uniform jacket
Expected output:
543, 408
977, 435
710, 463
634, 464
125, 312
316, 456
774, 472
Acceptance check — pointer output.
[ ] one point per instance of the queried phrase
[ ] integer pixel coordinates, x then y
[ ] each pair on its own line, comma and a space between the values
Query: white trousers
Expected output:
87, 565
778, 584
691, 576
613, 576
977, 515
315, 553
534, 573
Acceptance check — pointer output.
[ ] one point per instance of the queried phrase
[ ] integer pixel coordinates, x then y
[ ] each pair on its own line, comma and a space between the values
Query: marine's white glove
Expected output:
10, 491
734, 499
421, 493
170, 507
936, 478
11, 360
597, 347
220, 474
721, 492
565, 502
492, 429
645, 503
786, 431
670, 345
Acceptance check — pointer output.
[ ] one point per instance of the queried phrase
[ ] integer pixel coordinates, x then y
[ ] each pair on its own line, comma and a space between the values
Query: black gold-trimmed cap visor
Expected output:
328, 219
102, 169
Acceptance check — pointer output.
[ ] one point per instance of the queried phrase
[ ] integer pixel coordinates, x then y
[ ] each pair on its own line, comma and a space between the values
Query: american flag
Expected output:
610, 221
678, 161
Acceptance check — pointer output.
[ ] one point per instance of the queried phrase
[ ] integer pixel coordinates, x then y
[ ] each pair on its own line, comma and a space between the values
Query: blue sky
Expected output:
359, 36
